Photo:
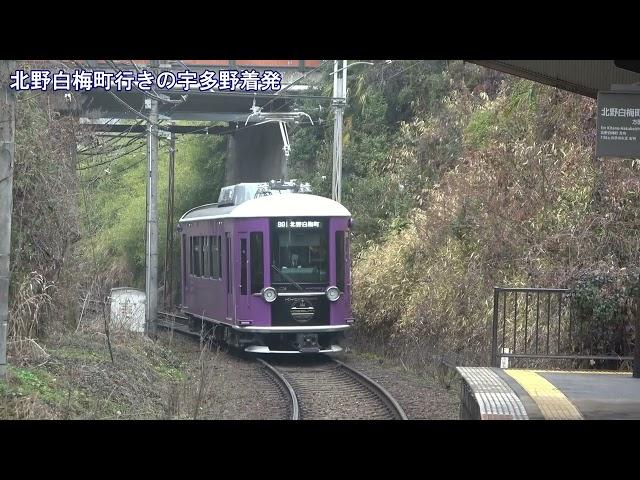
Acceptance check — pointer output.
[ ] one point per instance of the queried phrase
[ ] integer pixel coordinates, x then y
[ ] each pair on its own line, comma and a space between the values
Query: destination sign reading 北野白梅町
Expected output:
618, 125
299, 224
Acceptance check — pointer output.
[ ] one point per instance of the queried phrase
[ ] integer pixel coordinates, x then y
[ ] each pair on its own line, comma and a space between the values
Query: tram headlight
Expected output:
333, 293
269, 294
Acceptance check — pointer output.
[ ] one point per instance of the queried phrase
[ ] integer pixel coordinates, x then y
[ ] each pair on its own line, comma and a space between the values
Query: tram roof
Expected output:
287, 205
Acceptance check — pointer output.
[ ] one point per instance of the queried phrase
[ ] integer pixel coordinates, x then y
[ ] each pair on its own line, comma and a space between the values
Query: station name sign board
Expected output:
618, 125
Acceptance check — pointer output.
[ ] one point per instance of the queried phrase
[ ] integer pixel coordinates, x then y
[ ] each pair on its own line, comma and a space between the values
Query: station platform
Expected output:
520, 394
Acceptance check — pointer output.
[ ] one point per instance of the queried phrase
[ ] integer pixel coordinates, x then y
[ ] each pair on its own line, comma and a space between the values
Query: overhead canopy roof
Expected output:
585, 77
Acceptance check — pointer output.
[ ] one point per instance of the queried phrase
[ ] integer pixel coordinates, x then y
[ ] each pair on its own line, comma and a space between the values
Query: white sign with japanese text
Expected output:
618, 125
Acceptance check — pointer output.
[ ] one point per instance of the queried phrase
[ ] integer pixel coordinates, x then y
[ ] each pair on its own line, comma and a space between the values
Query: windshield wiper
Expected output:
298, 286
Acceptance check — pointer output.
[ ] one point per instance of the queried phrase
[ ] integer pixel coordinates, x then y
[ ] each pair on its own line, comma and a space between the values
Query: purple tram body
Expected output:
269, 274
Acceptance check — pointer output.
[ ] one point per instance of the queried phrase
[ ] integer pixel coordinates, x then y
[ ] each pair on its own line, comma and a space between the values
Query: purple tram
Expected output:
268, 270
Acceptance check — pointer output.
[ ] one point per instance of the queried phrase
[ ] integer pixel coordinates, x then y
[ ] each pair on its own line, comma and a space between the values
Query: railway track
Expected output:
323, 388
318, 387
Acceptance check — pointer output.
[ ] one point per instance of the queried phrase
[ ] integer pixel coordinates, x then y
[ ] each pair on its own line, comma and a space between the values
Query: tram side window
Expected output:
201, 258
206, 250
184, 260
257, 262
191, 255
196, 256
243, 266
228, 250
216, 257
340, 260
211, 256
219, 256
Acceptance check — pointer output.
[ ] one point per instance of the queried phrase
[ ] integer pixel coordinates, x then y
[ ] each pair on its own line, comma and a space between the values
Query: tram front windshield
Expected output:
299, 252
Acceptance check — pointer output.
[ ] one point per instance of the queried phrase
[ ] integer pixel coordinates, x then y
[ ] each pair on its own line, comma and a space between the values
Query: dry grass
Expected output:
71, 376
31, 302
524, 205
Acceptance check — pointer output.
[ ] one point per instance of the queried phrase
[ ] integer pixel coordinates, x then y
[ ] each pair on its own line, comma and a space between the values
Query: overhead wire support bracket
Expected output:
281, 118
266, 117
285, 139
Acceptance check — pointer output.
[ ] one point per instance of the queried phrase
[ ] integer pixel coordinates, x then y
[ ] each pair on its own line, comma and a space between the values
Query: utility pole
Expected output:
168, 257
339, 102
151, 283
7, 152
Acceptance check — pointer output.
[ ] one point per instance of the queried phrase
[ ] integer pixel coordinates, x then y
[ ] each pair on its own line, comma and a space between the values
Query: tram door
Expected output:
229, 274
243, 298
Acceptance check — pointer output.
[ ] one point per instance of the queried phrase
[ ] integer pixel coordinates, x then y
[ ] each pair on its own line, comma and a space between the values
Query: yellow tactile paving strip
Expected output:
590, 372
553, 404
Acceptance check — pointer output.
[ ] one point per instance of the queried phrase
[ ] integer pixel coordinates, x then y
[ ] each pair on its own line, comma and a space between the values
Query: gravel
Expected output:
326, 391
241, 389
420, 396
233, 388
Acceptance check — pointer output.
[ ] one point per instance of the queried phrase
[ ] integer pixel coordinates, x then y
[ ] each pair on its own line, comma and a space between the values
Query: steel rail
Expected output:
295, 407
377, 389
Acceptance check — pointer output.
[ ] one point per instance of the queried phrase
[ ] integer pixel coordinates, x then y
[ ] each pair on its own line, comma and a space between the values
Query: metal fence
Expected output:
539, 324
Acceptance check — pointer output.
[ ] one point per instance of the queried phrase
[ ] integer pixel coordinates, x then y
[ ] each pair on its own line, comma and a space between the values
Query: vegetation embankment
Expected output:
461, 179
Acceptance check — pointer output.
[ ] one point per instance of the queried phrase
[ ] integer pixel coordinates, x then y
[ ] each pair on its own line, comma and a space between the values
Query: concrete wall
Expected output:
255, 155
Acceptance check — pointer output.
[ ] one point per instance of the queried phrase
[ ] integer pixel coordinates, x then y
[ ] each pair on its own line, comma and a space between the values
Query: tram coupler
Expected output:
307, 342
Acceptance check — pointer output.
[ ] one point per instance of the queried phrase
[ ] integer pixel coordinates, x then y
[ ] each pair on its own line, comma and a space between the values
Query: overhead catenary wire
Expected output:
155, 95
112, 153
122, 102
115, 173
109, 145
324, 62
179, 102
405, 69
128, 107
89, 148
384, 65
122, 170
140, 115
204, 128
325, 124
111, 160
111, 142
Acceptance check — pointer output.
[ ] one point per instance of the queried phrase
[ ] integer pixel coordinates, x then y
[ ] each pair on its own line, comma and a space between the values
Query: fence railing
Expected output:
542, 324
